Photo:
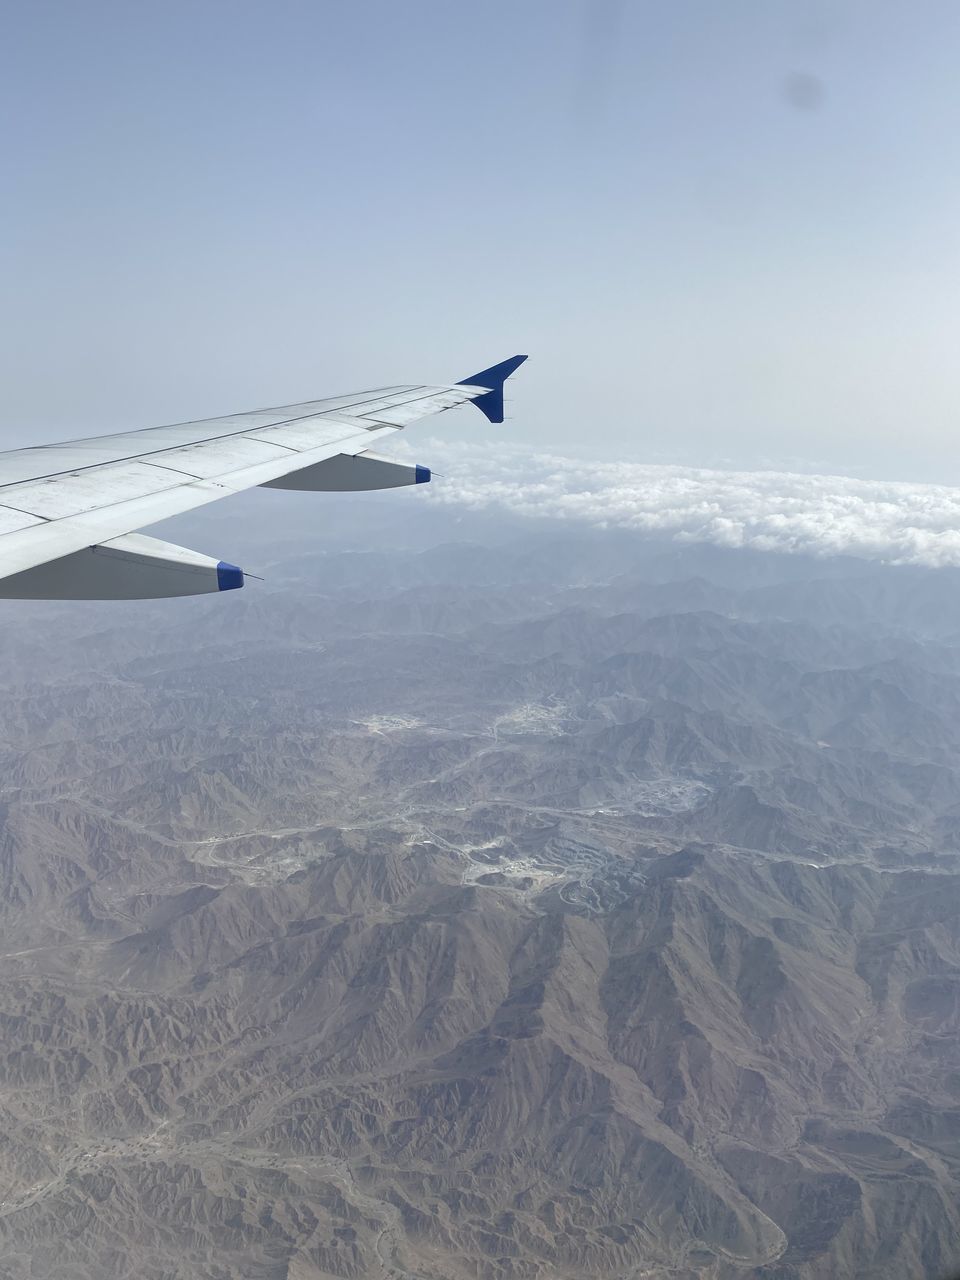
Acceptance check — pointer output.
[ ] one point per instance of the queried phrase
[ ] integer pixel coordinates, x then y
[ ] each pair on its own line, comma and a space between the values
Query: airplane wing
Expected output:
68, 512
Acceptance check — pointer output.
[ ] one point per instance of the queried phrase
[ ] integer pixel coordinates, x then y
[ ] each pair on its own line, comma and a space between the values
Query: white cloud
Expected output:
767, 510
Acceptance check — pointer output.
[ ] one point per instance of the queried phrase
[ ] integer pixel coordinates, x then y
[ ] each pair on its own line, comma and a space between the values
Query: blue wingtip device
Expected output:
491, 405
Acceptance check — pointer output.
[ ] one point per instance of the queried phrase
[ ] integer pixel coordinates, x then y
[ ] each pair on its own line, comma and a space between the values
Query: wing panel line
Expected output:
328, 415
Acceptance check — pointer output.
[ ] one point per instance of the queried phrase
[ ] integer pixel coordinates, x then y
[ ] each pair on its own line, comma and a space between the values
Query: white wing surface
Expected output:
62, 506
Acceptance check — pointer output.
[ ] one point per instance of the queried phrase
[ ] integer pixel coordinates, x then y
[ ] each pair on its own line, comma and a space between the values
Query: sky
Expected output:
728, 234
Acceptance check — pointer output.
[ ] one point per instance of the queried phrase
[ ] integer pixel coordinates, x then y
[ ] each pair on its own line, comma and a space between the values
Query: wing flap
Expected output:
204, 461
310, 434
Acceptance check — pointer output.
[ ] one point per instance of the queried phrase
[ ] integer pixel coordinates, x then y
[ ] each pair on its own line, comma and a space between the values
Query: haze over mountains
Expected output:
488, 900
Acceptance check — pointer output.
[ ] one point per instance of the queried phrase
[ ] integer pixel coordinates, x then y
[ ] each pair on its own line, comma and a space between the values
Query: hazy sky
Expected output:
726, 232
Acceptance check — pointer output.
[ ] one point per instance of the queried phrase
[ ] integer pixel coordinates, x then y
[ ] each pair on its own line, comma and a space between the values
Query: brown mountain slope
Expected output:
539, 947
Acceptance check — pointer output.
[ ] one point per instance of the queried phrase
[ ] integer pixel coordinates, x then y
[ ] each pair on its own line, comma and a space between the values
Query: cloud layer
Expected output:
897, 522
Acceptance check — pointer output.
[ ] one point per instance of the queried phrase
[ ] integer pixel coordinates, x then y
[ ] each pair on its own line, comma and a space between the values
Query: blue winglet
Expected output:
491, 405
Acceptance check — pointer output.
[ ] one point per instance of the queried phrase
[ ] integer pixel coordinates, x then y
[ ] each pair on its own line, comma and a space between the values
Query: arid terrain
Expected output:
480, 902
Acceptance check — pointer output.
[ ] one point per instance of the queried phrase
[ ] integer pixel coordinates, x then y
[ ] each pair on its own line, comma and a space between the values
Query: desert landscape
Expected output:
525, 904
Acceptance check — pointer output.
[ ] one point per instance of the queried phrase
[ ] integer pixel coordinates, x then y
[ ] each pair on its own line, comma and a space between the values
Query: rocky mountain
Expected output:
496, 903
